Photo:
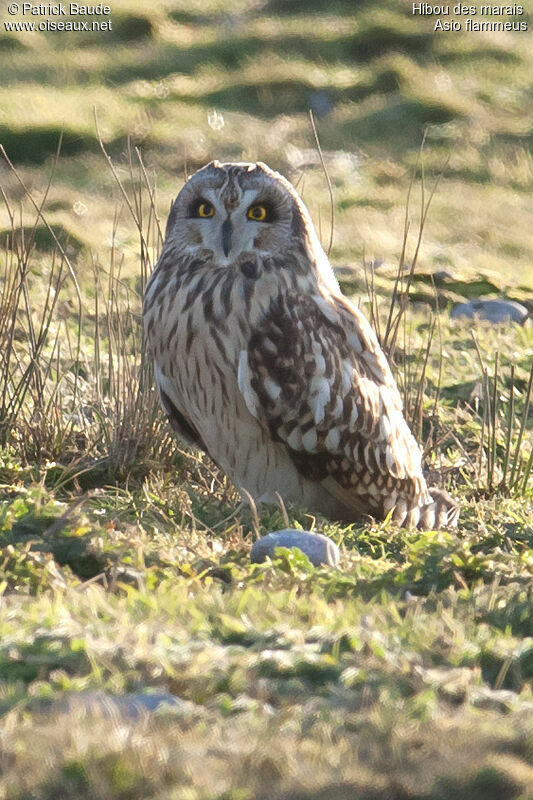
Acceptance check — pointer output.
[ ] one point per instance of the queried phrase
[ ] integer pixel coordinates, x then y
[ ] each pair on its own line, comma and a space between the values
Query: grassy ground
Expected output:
124, 568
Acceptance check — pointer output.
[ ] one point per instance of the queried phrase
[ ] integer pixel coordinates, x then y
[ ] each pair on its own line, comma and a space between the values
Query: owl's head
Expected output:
237, 209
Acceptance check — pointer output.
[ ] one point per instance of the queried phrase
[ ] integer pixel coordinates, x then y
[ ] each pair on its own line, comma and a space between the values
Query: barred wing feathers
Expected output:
315, 376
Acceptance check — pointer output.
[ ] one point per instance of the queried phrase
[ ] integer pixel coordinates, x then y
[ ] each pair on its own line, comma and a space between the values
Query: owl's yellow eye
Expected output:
205, 210
257, 213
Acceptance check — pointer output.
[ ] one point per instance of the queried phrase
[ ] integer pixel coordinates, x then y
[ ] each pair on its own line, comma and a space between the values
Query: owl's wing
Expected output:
315, 376
179, 423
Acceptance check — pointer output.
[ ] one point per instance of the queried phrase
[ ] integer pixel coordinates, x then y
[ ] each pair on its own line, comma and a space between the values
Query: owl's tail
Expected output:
442, 511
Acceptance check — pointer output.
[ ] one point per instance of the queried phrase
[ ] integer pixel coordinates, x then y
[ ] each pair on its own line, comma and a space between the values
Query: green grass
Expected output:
292, 676
407, 673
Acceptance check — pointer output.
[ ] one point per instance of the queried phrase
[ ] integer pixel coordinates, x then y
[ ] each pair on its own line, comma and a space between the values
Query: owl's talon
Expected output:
442, 512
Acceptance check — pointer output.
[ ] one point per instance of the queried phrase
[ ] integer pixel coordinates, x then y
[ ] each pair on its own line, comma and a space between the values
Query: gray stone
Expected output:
498, 699
492, 310
320, 103
131, 705
318, 548
443, 275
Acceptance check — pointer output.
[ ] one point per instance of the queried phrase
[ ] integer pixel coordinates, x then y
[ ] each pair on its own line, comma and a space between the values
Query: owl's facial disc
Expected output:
230, 213
231, 227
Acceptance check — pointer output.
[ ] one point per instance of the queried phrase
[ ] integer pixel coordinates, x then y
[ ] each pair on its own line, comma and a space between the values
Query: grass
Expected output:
124, 558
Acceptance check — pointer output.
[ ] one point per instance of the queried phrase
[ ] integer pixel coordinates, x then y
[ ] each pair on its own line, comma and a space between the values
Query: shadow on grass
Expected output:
33, 535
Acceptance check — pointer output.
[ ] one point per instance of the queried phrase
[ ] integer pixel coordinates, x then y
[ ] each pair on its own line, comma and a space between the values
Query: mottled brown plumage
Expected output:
262, 363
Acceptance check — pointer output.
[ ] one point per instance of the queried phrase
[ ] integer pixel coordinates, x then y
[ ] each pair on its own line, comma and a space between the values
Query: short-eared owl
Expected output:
261, 362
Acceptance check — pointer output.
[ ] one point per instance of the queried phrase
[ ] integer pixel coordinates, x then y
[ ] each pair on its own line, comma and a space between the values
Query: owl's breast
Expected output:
197, 332
196, 335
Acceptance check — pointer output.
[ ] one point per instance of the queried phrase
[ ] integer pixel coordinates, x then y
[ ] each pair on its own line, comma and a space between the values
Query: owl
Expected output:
263, 364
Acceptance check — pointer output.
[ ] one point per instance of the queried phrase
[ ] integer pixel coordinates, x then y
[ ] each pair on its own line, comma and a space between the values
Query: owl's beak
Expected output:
226, 236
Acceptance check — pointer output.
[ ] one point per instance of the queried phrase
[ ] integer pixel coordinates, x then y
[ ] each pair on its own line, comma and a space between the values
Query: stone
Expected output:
443, 275
318, 548
132, 705
497, 699
494, 311
320, 103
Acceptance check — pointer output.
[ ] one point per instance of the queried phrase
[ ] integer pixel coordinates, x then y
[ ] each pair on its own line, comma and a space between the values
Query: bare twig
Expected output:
328, 181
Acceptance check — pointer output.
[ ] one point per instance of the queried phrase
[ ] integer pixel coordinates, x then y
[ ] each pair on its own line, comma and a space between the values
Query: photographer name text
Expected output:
59, 9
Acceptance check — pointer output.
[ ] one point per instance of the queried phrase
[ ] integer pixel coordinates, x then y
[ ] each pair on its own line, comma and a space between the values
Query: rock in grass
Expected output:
498, 699
318, 548
130, 705
320, 103
492, 310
